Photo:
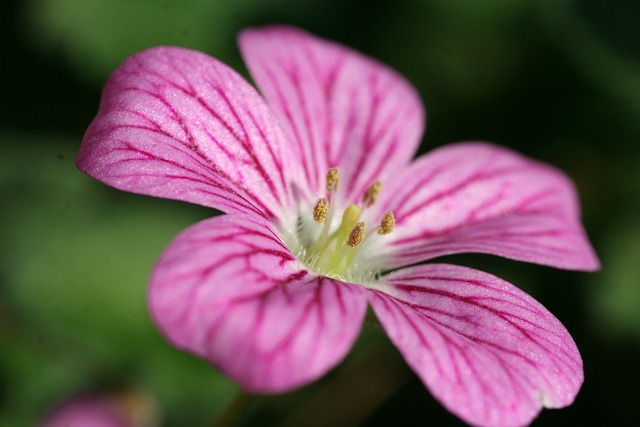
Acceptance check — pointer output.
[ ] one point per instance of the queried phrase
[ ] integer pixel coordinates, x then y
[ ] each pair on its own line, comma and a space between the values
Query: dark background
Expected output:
556, 80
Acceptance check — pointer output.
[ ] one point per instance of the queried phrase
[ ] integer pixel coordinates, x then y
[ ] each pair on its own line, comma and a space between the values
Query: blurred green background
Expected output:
558, 80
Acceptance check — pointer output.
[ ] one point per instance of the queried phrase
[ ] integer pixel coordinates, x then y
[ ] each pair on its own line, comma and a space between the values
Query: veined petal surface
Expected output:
228, 290
179, 124
478, 197
487, 351
338, 107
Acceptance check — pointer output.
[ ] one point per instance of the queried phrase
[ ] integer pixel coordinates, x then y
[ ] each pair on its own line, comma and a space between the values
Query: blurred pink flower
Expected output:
86, 411
324, 205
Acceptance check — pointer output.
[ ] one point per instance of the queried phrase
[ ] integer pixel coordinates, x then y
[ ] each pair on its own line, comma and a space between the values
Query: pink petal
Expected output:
487, 351
229, 290
179, 124
477, 197
338, 107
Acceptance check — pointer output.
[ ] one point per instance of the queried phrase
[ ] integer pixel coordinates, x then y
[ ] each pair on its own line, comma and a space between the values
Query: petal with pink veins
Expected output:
478, 197
228, 290
179, 124
338, 107
486, 350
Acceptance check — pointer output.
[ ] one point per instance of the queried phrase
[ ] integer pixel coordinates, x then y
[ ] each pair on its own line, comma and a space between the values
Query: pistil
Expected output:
327, 247
336, 246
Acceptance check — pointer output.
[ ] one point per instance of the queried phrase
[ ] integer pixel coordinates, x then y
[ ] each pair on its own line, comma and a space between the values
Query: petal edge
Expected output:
228, 290
179, 124
487, 351
480, 197
339, 108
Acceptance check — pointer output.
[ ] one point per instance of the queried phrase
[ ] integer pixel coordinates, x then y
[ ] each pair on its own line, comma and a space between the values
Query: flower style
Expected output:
326, 212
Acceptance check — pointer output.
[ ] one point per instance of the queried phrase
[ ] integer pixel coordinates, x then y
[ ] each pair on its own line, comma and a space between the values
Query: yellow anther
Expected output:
320, 210
387, 224
357, 235
333, 176
371, 194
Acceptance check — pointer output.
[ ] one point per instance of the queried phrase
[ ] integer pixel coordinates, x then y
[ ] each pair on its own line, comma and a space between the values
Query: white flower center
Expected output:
336, 247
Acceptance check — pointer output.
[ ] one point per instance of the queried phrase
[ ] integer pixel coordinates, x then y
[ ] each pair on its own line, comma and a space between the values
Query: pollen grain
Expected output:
371, 194
357, 235
320, 210
333, 177
387, 224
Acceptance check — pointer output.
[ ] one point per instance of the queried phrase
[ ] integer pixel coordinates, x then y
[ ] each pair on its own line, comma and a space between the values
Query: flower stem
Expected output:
372, 319
234, 410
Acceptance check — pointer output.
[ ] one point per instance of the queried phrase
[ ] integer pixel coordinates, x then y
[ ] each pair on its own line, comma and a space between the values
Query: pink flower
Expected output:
327, 212
86, 411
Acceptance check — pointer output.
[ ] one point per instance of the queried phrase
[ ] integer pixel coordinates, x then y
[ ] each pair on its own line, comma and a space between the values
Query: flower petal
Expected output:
228, 290
179, 124
486, 350
478, 197
338, 107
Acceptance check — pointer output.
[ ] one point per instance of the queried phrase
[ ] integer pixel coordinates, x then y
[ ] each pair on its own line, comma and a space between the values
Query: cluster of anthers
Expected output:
332, 251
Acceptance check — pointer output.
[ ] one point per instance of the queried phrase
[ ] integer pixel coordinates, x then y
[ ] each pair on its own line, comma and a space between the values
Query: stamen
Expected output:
339, 247
371, 194
357, 235
387, 224
320, 210
333, 176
